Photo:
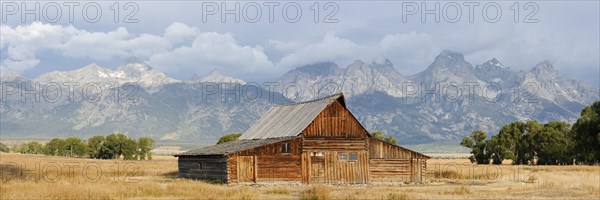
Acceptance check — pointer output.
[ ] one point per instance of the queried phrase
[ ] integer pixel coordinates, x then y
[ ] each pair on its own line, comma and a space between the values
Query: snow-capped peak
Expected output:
132, 71
544, 65
11, 76
215, 76
451, 55
494, 62
134, 67
544, 69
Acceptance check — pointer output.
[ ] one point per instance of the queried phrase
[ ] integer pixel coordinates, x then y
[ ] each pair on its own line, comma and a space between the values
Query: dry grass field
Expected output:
43, 177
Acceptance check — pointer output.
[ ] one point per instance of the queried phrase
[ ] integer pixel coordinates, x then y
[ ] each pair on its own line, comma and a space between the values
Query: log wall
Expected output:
268, 163
334, 144
203, 167
391, 163
328, 168
389, 170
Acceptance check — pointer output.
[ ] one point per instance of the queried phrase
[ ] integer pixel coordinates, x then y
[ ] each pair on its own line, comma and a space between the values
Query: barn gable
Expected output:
289, 120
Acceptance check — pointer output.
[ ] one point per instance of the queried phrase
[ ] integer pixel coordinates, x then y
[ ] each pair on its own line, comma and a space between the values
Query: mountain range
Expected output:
446, 101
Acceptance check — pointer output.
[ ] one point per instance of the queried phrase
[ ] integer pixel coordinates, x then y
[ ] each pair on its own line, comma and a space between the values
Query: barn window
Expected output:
353, 156
285, 148
200, 165
343, 156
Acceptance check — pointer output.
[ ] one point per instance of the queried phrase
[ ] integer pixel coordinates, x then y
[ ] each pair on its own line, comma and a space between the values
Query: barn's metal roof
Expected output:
289, 120
232, 147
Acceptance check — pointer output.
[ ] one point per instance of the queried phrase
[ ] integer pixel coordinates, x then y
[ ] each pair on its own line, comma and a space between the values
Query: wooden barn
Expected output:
316, 141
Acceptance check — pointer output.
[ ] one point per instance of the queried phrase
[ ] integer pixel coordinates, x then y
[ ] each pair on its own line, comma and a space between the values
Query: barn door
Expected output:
317, 168
416, 170
247, 168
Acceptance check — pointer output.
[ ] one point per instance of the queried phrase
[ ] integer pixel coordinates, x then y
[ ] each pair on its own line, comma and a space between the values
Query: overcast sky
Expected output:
183, 38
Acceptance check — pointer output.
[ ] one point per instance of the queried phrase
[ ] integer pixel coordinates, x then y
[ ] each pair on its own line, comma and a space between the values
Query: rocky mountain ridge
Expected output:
446, 101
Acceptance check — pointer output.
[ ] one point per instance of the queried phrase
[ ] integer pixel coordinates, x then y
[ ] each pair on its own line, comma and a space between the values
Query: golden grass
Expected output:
317, 192
46, 177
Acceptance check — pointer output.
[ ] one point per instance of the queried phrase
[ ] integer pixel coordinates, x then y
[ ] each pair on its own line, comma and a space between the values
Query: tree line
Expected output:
554, 143
113, 146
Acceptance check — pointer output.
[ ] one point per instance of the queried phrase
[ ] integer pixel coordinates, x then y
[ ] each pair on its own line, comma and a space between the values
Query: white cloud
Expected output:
179, 32
23, 42
180, 48
114, 44
406, 50
285, 46
3, 70
18, 65
183, 49
331, 48
214, 50
409, 51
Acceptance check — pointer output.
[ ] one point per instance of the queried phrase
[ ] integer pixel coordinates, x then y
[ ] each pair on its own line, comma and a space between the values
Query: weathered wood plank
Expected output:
203, 167
335, 121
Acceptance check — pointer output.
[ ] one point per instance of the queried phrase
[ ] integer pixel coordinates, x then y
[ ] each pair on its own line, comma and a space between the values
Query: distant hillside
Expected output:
445, 102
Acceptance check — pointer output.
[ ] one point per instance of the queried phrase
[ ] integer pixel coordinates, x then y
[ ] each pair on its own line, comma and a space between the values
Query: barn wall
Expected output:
268, 162
328, 168
321, 162
389, 170
390, 163
335, 122
333, 132
203, 167
334, 144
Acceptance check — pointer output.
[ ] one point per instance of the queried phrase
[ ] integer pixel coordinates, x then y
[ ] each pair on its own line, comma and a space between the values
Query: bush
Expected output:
4, 148
229, 137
